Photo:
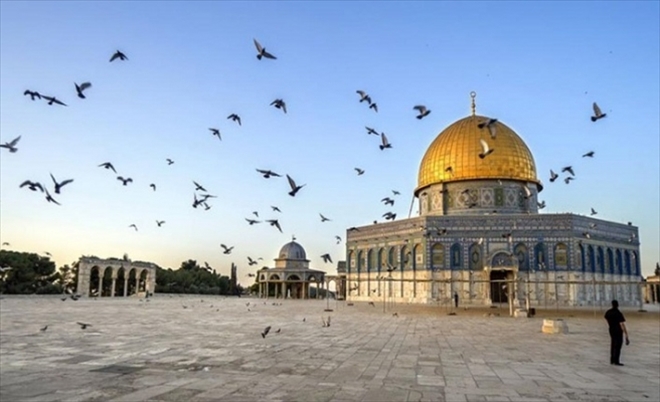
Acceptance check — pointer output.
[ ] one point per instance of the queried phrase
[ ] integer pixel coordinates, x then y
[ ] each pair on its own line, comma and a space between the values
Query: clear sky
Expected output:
537, 66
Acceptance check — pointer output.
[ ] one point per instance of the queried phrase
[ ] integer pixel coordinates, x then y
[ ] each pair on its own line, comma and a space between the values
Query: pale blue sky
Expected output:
536, 66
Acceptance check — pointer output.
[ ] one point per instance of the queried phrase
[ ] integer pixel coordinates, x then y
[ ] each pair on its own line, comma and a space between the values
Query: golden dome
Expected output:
458, 147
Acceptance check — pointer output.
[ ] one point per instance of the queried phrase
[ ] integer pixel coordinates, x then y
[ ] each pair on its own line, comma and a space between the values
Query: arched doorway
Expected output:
94, 275
498, 285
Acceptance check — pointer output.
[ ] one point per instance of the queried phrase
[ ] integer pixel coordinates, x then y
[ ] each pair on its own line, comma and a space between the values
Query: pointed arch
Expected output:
609, 261
626, 261
475, 262
590, 260
540, 255
437, 256
600, 261
456, 257
522, 254
618, 263
561, 256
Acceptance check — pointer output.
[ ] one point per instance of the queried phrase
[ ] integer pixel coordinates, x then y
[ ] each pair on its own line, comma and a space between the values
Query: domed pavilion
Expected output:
291, 278
479, 234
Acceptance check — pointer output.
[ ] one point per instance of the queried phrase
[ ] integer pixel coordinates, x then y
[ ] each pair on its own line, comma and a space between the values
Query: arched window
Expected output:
351, 261
521, 254
609, 262
456, 260
591, 266
360, 261
579, 254
635, 263
561, 256
600, 261
371, 257
405, 258
475, 263
626, 255
391, 256
381, 260
618, 263
539, 255
437, 256
418, 257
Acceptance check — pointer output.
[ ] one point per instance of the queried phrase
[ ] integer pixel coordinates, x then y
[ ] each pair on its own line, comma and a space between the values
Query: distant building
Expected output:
115, 277
233, 280
479, 232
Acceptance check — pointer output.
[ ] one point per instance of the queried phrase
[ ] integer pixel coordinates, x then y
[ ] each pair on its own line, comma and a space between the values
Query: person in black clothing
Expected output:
617, 325
456, 299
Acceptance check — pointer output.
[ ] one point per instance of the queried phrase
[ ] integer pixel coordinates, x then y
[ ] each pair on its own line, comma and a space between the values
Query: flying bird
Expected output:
80, 88
118, 55
323, 218
108, 165
387, 201
49, 198
159, 223
371, 131
252, 221
389, 216
541, 204
134, 226
294, 188
11, 145
326, 258
274, 222
364, 96
83, 325
216, 132
251, 275
153, 186
423, 111
490, 124
568, 179
593, 212
279, 103
33, 94
374, 106
275, 209
359, 171
338, 239
255, 213
568, 169
235, 117
266, 331
268, 173
58, 186
125, 181
597, 113
4, 243
45, 328
199, 187
589, 154
352, 229
485, 149
261, 51
169, 161
385, 143
34, 186
553, 176
53, 100
394, 192
227, 249
528, 193
251, 261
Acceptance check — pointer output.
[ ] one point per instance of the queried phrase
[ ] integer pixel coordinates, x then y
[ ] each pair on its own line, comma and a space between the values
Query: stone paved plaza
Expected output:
212, 350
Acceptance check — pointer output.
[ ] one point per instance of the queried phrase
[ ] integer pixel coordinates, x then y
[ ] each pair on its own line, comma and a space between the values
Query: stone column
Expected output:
137, 282
100, 293
125, 284
114, 281
283, 287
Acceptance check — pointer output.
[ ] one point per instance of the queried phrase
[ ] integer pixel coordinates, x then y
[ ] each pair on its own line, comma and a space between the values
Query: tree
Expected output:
657, 269
30, 273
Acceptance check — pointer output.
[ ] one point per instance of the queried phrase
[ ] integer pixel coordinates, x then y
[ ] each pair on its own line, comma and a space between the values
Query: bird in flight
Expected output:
490, 124
227, 250
593, 212
80, 88
252, 221
125, 181
268, 173
387, 201
294, 188
597, 113
364, 97
216, 132
324, 219
255, 213
108, 165
359, 171
266, 331
4, 243
326, 258
153, 186
279, 103
32, 185
528, 193
159, 223
261, 51
389, 216
568, 179
384, 142
541, 204
568, 169
169, 161
485, 149
198, 187
58, 186
251, 261
589, 154
394, 192
11, 145
553, 176
423, 111
33, 94
134, 226
118, 55
275, 209
371, 131
49, 198
374, 106
83, 325
274, 222
51, 100
251, 275
45, 328
338, 239
235, 117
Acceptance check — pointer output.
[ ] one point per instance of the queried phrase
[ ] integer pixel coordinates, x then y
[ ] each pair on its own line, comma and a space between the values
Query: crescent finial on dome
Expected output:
474, 105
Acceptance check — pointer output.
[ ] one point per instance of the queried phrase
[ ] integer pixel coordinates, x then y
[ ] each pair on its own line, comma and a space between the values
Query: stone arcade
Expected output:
480, 230
114, 277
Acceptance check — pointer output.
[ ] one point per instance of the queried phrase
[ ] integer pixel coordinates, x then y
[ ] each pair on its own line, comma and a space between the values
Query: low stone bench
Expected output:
557, 326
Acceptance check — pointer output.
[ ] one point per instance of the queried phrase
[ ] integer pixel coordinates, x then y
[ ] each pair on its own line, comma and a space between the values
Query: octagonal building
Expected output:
479, 234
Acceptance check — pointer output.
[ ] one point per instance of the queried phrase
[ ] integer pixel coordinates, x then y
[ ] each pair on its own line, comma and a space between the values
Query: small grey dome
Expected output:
293, 251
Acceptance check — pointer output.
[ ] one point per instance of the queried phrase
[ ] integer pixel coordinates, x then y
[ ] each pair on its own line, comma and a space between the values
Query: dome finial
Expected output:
474, 105
293, 237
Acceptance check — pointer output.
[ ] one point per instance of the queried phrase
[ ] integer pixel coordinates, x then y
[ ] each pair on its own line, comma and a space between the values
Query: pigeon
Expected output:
134, 226
593, 212
568, 169
268, 173
364, 96
199, 187
326, 258
80, 88
528, 193
208, 268
568, 179
553, 176
252, 221
423, 111
274, 222
153, 186
169, 161
45, 328
387, 201
374, 106
597, 113
279, 103
83, 325
266, 331
216, 132
11, 145
541, 204
251, 275
275, 209
58, 186
449, 169
593, 225
324, 219
385, 143
278, 330
371, 131
485, 149
118, 55
34, 186
255, 213
53, 100
262, 51
490, 124
394, 192
294, 187
33, 94
159, 223
227, 249
389, 216
359, 171
251, 261
235, 117
589, 154
108, 165
338, 239
4, 243
352, 229
586, 234
5, 269
372, 303
125, 181
49, 198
